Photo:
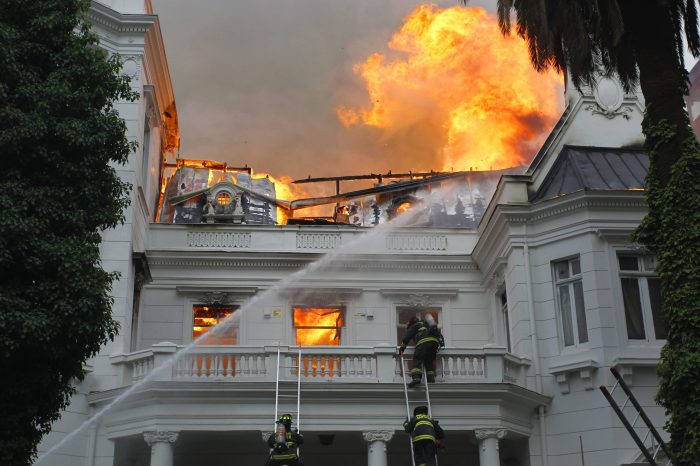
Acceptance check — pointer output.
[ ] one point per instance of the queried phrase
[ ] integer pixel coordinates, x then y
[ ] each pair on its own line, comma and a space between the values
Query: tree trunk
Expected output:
661, 77
671, 229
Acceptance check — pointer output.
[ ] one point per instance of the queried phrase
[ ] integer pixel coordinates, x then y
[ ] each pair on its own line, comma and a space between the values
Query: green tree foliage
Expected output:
641, 42
59, 140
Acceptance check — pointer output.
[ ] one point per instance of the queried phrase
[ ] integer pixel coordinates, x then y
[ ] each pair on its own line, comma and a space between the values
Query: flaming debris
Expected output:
460, 77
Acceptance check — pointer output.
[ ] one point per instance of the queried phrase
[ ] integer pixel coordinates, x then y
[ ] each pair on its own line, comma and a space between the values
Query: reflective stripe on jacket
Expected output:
422, 427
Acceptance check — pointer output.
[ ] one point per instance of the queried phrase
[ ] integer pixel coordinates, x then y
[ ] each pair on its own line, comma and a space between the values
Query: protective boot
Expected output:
414, 382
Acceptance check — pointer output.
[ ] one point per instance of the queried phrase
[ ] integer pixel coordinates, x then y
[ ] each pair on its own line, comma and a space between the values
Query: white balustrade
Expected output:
323, 363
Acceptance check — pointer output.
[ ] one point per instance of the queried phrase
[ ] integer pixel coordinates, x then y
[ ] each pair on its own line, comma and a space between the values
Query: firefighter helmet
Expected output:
420, 410
286, 419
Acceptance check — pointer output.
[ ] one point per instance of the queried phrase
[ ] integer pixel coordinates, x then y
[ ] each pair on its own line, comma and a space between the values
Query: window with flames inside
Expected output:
319, 326
206, 320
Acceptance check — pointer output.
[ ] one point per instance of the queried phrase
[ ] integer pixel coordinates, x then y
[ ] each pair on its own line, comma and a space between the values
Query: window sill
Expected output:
643, 358
581, 364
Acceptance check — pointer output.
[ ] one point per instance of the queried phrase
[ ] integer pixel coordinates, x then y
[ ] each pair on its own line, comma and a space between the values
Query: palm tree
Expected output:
641, 41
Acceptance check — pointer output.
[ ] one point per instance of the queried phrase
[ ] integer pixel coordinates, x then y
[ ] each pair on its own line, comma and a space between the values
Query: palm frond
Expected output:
690, 21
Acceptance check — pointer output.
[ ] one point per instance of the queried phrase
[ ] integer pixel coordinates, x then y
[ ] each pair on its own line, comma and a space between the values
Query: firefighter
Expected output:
428, 340
426, 435
284, 444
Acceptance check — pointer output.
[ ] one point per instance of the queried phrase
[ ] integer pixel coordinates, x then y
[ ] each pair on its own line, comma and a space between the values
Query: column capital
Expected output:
490, 432
266, 434
377, 435
152, 437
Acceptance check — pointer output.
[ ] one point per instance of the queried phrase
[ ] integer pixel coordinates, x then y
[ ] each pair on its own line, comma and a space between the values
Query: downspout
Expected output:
535, 350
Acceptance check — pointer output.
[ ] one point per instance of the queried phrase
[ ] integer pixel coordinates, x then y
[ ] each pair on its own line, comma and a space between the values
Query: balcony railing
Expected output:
490, 364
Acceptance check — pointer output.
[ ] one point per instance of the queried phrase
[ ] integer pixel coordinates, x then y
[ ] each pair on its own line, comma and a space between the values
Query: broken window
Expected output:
404, 314
318, 326
206, 318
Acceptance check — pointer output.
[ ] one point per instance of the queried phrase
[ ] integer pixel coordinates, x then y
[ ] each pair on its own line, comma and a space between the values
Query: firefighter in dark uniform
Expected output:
285, 453
428, 340
426, 435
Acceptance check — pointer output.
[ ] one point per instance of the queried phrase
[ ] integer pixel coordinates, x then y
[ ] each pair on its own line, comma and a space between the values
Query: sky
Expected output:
257, 82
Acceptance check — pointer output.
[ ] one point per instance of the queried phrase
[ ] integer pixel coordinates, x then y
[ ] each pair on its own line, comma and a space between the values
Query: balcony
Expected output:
306, 239
326, 364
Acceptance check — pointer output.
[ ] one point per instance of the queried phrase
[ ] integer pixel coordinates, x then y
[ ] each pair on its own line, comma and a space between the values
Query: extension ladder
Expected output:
657, 442
296, 414
425, 401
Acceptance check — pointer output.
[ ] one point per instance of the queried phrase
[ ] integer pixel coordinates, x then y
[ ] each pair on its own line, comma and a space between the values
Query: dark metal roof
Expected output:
581, 168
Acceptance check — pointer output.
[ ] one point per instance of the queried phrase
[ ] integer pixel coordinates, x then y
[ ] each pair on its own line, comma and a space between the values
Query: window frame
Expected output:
569, 282
341, 331
503, 317
237, 327
642, 276
436, 309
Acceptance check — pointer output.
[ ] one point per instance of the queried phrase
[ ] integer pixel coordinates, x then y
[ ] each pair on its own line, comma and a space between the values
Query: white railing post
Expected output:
161, 353
270, 361
385, 363
493, 358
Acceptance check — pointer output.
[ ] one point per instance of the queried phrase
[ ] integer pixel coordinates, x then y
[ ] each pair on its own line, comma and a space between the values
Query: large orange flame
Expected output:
460, 76
318, 326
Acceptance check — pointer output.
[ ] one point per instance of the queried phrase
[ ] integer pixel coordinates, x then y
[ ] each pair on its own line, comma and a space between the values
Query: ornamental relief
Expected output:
609, 100
417, 300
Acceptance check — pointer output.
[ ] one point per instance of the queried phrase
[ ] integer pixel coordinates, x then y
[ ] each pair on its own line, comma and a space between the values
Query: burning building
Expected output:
531, 276
211, 192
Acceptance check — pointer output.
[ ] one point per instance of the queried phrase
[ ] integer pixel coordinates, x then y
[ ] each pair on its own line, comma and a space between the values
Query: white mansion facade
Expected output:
536, 304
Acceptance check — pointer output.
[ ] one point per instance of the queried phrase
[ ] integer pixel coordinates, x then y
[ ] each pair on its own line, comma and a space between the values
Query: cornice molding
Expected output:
434, 264
117, 22
237, 291
505, 217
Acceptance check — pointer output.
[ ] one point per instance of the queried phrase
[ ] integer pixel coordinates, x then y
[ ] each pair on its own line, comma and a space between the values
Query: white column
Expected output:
488, 445
376, 446
162, 447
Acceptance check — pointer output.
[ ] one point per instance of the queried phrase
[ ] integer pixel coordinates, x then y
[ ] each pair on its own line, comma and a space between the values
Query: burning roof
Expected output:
211, 192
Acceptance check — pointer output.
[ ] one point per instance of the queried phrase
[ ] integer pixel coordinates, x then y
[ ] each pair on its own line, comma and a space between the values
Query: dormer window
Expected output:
223, 198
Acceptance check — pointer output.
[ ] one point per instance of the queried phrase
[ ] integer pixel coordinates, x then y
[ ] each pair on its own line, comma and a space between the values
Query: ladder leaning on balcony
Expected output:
423, 402
657, 443
296, 415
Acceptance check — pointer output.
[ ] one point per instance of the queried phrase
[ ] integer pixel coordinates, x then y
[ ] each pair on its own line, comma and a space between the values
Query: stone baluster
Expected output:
376, 446
488, 445
162, 447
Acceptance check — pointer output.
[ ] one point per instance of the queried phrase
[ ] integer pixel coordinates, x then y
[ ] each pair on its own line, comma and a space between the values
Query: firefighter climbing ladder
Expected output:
657, 442
424, 402
296, 415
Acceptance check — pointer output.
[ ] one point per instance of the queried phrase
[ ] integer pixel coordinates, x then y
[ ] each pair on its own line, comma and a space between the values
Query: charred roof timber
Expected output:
202, 191
372, 176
